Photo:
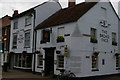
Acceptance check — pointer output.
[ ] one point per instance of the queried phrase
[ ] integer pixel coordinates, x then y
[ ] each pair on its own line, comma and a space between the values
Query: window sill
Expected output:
118, 68
39, 66
27, 47
59, 68
27, 25
14, 48
95, 69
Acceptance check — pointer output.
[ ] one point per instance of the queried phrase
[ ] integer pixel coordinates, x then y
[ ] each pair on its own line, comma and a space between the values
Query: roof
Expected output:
5, 21
67, 15
28, 11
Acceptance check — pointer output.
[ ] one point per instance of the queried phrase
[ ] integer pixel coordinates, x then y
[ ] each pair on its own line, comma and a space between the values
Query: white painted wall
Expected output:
21, 31
82, 47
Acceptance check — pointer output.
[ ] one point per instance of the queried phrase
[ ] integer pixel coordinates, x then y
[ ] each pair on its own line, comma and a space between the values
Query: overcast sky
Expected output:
8, 6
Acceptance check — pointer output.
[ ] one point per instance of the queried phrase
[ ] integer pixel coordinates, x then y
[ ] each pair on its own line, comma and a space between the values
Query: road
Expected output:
20, 75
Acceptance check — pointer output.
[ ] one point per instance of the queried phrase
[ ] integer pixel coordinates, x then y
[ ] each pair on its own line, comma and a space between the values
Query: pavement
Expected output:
0, 72
20, 75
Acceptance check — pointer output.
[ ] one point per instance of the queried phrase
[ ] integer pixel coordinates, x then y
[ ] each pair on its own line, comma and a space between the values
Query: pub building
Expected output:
82, 38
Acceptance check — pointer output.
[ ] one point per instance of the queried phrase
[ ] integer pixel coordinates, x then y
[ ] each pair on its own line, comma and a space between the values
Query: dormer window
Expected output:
28, 20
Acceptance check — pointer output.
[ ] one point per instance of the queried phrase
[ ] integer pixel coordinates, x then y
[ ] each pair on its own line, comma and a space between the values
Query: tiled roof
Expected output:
67, 15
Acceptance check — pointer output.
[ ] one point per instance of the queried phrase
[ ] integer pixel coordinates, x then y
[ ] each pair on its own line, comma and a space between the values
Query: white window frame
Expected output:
114, 37
28, 20
93, 32
27, 46
94, 62
15, 34
58, 61
15, 24
40, 60
58, 30
117, 62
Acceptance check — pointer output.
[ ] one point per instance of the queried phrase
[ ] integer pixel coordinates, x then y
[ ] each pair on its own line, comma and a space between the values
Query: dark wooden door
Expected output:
49, 61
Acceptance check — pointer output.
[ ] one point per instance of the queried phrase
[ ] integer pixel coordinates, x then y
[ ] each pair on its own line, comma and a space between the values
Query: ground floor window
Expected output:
40, 60
117, 61
23, 60
60, 61
94, 62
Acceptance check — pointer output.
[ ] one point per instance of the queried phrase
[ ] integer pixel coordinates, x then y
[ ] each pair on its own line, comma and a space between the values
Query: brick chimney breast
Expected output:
71, 3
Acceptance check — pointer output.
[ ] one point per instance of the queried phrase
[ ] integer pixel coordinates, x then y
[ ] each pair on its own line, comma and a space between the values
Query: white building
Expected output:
22, 33
87, 44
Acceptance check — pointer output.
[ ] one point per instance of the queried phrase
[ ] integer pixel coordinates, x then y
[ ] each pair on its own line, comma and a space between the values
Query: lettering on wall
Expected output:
104, 36
21, 37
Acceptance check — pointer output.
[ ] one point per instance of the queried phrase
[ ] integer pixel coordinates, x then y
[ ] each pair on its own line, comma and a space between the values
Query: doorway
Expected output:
49, 61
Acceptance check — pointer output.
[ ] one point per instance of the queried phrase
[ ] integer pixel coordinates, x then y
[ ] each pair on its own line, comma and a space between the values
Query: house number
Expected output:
104, 36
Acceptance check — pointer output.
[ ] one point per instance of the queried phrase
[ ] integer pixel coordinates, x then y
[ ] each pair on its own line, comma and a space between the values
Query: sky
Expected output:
7, 7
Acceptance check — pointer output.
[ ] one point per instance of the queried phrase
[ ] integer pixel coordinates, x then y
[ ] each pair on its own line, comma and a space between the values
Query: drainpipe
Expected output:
34, 45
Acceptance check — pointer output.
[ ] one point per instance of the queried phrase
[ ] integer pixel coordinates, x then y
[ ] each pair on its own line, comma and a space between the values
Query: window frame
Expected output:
28, 20
93, 34
14, 46
40, 61
95, 63
114, 37
15, 24
58, 61
117, 62
0, 32
28, 46
5, 44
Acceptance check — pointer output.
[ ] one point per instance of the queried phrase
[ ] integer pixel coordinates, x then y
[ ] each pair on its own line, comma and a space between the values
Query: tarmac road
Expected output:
20, 75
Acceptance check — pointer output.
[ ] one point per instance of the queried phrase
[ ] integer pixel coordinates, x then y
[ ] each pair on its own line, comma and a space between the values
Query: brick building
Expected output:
4, 38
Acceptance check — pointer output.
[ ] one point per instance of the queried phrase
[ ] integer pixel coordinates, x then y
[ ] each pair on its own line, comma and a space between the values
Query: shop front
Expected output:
23, 61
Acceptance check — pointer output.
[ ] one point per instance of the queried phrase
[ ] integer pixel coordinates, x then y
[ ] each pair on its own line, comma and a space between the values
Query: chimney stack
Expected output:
71, 3
15, 12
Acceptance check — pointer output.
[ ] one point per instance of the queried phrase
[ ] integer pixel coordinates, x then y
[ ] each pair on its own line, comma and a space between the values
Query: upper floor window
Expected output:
5, 31
93, 35
61, 32
0, 31
14, 40
15, 25
4, 44
28, 20
114, 41
27, 39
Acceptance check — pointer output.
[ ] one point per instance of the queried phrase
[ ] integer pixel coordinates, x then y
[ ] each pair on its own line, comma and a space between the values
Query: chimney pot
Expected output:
71, 3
